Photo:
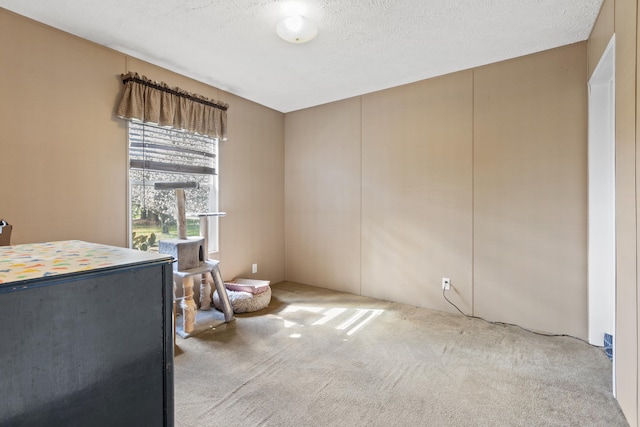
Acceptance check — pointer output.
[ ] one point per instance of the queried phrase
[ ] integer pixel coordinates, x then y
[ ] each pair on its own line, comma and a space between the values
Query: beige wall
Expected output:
322, 203
63, 164
252, 191
620, 17
479, 176
530, 191
626, 220
600, 34
63, 153
417, 192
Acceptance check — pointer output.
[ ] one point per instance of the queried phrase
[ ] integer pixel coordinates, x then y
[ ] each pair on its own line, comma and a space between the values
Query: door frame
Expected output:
601, 205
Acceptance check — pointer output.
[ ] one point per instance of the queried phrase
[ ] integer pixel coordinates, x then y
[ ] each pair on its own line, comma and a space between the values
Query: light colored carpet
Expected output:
316, 357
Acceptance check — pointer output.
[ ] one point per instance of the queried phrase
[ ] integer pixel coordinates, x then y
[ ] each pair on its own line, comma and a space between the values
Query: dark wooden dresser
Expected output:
86, 336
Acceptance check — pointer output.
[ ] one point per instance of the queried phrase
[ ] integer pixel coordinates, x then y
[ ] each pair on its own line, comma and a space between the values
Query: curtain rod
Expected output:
222, 107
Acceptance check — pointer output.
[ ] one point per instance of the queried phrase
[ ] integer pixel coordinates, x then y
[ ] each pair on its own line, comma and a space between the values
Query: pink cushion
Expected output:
248, 285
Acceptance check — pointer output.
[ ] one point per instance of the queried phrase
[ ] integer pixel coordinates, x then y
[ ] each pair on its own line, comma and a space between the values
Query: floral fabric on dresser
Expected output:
36, 260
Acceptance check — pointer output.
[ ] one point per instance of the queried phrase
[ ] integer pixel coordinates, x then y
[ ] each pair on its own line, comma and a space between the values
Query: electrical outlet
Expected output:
446, 283
254, 268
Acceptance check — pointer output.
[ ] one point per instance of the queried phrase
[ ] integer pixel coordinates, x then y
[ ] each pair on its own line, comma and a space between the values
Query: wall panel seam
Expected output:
473, 215
361, 185
635, 175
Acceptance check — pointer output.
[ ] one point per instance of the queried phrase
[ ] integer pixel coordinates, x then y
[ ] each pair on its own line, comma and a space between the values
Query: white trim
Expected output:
601, 204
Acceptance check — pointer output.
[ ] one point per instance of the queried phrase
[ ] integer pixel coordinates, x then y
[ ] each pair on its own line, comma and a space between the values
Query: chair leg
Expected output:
174, 312
188, 305
216, 278
205, 293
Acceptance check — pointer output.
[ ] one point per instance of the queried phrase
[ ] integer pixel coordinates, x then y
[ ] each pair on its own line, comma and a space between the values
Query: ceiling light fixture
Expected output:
297, 29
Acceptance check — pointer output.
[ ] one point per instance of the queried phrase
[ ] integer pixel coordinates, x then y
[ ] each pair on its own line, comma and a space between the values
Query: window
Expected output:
162, 155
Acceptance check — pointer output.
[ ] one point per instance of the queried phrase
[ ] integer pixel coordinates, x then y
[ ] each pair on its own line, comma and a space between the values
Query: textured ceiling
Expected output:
362, 45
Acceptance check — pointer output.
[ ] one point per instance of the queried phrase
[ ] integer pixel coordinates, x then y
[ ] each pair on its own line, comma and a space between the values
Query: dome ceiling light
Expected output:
297, 29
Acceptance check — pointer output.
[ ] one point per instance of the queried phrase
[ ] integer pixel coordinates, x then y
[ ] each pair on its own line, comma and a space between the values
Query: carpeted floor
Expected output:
316, 357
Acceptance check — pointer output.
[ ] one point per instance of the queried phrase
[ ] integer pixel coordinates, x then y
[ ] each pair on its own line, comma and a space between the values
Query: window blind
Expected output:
161, 149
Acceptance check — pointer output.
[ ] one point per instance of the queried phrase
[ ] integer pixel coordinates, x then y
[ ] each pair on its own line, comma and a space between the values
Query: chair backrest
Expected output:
5, 233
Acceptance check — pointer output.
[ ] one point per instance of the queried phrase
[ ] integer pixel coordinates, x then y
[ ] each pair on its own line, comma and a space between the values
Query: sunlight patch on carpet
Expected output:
361, 312
351, 320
